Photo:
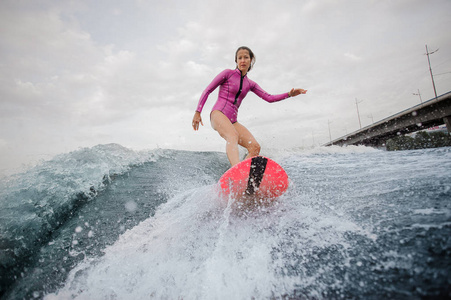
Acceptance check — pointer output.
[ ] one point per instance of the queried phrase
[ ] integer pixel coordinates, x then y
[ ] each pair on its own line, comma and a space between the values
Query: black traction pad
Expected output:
256, 172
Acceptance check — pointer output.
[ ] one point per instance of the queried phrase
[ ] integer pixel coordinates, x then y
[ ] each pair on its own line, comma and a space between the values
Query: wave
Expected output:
110, 222
36, 203
196, 247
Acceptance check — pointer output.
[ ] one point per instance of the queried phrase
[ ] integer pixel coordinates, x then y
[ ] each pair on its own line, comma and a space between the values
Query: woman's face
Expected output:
243, 60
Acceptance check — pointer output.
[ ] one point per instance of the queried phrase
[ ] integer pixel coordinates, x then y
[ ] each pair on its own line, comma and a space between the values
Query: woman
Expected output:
234, 85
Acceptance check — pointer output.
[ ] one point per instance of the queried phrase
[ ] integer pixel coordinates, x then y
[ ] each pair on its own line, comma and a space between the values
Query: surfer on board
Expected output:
234, 86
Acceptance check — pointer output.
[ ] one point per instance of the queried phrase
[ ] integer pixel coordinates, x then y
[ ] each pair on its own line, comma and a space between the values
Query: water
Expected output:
111, 223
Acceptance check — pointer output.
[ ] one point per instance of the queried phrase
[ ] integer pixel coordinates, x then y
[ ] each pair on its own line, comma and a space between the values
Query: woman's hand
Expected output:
196, 120
295, 92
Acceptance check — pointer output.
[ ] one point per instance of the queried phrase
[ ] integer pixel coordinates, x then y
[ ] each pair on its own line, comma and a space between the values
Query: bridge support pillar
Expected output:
448, 123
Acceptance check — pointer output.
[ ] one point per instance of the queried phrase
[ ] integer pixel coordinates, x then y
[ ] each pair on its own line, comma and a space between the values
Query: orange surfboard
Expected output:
258, 177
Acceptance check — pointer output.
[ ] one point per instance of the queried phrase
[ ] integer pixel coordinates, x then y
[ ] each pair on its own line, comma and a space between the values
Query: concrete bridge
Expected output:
434, 112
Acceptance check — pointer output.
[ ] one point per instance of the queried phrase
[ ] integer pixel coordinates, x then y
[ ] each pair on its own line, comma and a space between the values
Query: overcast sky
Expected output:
81, 73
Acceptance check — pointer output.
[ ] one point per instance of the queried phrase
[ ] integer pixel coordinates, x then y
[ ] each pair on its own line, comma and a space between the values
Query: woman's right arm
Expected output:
218, 80
196, 120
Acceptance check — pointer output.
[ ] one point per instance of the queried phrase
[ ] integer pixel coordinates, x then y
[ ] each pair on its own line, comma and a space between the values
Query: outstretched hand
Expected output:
295, 92
196, 120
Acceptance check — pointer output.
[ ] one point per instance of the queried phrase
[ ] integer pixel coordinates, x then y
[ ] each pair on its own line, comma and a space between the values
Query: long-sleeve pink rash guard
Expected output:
234, 88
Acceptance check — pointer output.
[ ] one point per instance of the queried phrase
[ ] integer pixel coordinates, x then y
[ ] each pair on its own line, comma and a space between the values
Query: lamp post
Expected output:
358, 114
330, 136
421, 101
430, 69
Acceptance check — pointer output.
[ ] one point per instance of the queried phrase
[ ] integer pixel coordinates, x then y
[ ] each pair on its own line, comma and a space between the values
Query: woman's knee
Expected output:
231, 137
253, 147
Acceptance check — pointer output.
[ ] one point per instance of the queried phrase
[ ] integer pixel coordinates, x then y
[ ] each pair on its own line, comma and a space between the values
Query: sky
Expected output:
76, 74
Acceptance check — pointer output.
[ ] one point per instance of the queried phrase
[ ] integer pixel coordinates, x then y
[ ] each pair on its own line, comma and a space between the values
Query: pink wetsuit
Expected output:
234, 88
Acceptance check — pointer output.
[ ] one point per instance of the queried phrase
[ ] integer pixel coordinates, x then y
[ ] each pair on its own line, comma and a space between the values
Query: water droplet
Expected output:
131, 206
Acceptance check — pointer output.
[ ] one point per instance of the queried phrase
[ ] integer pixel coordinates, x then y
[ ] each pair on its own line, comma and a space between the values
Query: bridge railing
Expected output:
371, 134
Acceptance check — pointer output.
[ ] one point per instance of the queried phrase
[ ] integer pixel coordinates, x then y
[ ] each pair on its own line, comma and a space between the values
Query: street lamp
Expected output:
430, 69
358, 114
330, 136
421, 101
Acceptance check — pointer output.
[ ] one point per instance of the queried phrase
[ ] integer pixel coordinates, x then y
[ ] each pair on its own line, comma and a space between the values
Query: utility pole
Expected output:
330, 136
358, 114
371, 116
313, 139
430, 69
421, 101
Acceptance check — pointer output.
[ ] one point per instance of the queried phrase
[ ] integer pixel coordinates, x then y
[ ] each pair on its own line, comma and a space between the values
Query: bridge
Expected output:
434, 112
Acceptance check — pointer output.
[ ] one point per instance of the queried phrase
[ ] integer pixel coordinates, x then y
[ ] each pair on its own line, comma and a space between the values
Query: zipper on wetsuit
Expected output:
239, 92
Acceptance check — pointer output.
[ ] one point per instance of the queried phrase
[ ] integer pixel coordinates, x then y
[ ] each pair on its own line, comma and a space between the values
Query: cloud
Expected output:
352, 57
75, 74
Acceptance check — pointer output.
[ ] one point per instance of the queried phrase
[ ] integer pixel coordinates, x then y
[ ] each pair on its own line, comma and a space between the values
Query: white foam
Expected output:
197, 248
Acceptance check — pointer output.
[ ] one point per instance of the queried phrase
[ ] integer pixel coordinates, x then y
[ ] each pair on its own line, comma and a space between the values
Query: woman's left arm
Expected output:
274, 98
295, 92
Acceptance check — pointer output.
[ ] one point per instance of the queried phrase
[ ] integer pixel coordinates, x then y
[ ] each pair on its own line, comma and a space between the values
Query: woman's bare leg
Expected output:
227, 131
247, 140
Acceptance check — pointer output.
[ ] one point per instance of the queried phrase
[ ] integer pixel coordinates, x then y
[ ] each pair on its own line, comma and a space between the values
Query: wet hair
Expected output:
251, 54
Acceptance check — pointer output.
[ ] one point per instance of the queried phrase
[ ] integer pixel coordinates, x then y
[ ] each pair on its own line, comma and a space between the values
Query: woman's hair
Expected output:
251, 54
